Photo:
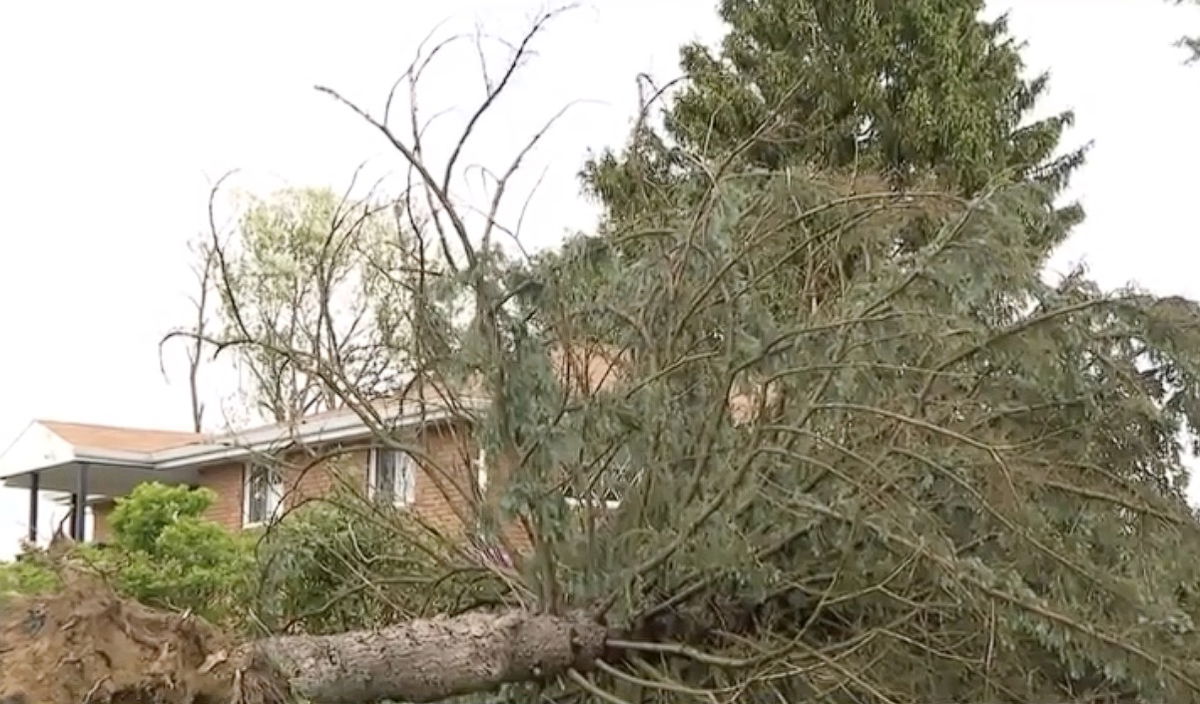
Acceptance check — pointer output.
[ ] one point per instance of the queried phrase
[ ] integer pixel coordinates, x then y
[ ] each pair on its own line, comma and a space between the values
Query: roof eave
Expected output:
333, 429
124, 458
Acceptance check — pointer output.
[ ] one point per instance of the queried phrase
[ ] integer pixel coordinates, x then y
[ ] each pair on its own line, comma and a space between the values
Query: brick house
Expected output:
261, 472
257, 473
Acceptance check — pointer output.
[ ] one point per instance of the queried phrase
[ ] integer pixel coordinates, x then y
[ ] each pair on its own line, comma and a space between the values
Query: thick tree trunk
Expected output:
86, 644
428, 660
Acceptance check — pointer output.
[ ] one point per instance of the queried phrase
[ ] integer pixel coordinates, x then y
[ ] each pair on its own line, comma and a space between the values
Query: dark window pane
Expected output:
261, 494
385, 474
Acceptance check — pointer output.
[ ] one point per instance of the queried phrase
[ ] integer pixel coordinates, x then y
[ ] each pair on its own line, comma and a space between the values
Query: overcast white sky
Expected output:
116, 116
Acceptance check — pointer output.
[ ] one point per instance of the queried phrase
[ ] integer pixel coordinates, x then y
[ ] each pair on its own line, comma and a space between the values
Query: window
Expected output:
392, 476
602, 486
263, 493
481, 470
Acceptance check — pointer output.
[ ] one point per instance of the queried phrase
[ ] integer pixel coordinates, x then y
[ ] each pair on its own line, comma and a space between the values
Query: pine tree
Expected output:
915, 90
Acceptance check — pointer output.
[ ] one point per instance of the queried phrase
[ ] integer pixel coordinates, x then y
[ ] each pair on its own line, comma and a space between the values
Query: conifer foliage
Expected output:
894, 88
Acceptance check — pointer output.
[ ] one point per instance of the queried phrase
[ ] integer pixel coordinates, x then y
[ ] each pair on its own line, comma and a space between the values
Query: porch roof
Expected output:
104, 480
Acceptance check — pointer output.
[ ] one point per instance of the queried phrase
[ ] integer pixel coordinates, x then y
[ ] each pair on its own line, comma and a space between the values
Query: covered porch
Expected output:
80, 465
81, 484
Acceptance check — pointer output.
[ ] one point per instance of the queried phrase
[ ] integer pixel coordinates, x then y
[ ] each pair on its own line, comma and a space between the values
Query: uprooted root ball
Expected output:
87, 644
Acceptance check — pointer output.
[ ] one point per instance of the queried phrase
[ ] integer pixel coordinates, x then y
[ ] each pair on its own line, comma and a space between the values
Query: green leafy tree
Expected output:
931, 504
304, 266
949, 480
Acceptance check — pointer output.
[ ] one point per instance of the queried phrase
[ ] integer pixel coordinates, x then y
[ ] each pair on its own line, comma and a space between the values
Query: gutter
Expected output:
271, 437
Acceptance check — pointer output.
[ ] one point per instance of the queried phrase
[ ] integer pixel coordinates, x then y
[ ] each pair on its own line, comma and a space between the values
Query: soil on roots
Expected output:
86, 644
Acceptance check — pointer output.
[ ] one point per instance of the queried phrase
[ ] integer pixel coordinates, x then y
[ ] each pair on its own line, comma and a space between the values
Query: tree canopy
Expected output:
301, 269
908, 91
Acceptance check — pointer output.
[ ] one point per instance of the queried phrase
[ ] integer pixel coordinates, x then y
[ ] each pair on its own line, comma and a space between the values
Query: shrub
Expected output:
25, 576
164, 553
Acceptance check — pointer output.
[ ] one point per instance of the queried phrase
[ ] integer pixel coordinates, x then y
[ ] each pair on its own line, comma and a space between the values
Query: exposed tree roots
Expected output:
86, 644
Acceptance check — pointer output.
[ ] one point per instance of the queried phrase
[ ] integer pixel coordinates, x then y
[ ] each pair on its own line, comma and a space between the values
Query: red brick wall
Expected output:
443, 487
226, 481
444, 478
513, 531
311, 474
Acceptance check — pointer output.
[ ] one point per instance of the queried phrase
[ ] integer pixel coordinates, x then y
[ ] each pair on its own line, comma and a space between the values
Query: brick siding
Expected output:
315, 472
442, 479
226, 481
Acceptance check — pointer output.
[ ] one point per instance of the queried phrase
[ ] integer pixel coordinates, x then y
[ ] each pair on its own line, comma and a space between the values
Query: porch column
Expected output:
35, 481
81, 492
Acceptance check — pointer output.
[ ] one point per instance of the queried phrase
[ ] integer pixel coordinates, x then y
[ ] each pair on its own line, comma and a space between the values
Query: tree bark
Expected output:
428, 660
88, 644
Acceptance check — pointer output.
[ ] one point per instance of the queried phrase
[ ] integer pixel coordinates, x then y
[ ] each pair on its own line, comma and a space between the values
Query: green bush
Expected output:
140, 519
163, 552
25, 577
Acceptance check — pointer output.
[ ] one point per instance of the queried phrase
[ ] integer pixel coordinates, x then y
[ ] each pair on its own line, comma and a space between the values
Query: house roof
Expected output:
109, 437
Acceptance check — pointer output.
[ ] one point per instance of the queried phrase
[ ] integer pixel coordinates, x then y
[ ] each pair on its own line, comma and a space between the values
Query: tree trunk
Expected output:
86, 644
428, 660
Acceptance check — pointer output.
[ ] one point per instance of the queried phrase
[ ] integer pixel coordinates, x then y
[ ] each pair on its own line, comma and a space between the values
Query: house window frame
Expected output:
481, 470
606, 504
599, 503
408, 466
274, 494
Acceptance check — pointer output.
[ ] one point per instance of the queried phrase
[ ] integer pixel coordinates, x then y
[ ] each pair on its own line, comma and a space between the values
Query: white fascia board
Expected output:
329, 429
123, 458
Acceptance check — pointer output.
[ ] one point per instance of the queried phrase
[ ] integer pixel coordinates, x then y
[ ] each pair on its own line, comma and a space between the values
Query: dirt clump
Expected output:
86, 644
